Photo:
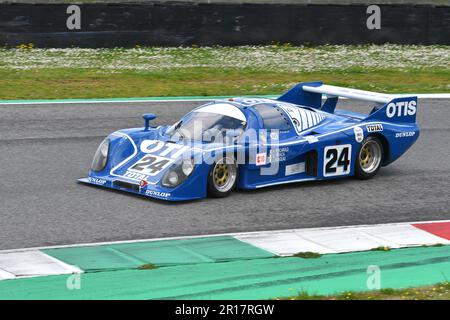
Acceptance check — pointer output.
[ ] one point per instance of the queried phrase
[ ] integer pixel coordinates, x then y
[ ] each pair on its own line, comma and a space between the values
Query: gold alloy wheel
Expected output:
224, 174
370, 156
366, 156
221, 174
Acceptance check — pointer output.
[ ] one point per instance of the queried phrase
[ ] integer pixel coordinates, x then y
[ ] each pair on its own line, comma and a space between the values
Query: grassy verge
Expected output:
440, 291
108, 73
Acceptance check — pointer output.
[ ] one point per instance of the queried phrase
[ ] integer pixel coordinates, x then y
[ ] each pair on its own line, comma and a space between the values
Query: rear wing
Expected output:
394, 108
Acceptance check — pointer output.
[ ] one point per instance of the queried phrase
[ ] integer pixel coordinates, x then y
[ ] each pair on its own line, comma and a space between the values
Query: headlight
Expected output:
187, 166
178, 173
172, 178
101, 156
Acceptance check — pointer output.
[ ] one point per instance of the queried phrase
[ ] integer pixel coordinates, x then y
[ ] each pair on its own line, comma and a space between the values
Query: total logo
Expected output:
135, 176
374, 127
401, 109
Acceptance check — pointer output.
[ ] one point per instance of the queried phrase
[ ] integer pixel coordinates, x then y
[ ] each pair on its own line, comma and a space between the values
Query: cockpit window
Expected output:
206, 127
273, 117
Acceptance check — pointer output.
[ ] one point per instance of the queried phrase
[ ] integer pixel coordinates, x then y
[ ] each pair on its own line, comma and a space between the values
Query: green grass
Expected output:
440, 291
145, 72
86, 83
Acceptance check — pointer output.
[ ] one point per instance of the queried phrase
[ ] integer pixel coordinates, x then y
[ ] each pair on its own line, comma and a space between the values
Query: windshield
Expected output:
206, 127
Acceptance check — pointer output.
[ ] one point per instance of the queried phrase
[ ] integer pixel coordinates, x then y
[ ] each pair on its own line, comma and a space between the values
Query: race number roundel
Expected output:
337, 160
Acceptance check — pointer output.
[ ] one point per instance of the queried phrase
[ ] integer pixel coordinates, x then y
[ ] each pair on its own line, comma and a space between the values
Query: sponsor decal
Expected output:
135, 175
274, 135
295, 168
311, 139
278, 154
378, 127
359, 134
261, 159
405, 134
97, 181
142, 184
401, 109
157, 194
337, 160
262, 137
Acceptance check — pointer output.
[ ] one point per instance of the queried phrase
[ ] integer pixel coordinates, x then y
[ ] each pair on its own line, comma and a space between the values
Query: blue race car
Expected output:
251, 143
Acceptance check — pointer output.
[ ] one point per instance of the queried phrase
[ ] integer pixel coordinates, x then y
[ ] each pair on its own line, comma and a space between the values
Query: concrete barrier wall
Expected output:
175, 24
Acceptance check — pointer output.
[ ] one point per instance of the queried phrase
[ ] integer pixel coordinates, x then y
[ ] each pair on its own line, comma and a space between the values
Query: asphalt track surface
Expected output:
45, 148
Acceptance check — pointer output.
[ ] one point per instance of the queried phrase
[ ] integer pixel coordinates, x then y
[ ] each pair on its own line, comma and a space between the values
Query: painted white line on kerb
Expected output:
32, 263
206, 99
4, 275
342, 240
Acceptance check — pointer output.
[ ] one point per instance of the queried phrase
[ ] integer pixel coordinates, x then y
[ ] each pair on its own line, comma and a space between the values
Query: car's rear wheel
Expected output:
370, 158
223, 177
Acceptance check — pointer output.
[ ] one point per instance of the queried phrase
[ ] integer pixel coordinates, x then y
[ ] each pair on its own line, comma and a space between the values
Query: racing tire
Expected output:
369, 158
222, 178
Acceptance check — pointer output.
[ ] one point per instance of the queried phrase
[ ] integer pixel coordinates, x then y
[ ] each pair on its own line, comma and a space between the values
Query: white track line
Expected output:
206, 99
101, 101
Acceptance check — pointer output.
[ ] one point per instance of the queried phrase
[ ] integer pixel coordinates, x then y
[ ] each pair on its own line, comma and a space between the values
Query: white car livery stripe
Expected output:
121, 134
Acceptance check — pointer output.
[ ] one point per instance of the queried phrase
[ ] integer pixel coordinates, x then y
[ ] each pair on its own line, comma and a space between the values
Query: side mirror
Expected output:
147, 118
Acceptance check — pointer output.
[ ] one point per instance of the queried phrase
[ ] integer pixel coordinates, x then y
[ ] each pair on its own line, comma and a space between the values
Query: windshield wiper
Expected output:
178, 125
175, 130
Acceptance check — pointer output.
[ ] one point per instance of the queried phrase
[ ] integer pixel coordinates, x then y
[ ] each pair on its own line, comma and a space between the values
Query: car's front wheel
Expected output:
223, 177
370, 158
